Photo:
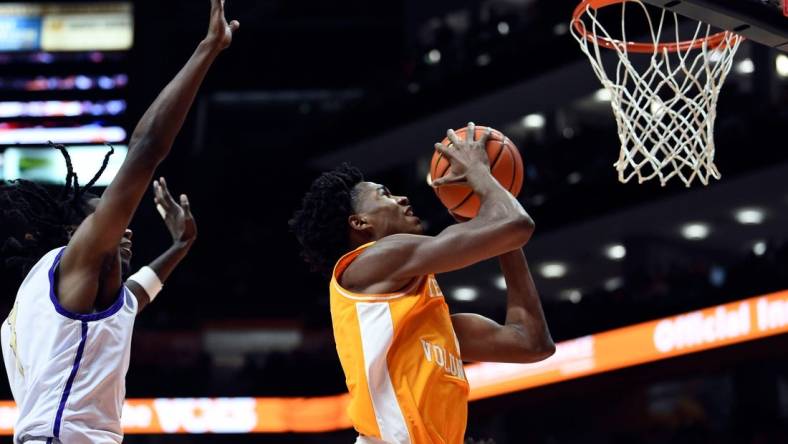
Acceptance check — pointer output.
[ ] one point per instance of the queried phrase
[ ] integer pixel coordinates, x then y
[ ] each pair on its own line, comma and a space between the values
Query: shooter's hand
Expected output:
465, 156
220, 33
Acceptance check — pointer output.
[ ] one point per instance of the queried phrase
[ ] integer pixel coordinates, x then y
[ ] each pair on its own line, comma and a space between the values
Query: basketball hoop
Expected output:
665, 107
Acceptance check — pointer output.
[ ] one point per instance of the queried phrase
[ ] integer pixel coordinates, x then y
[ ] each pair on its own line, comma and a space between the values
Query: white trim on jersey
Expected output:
382, 297
365, 440
377, 333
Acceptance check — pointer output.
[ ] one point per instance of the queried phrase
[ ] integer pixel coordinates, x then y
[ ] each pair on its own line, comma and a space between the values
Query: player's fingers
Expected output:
471, 134
485, 136
453, 137
447, 152
187, 208
165, 192
162, 211
447, 180
158, 195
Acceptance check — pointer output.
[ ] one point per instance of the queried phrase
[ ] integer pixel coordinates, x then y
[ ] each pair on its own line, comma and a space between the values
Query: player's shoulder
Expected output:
397, 243
389, 248
46, 262
378, 262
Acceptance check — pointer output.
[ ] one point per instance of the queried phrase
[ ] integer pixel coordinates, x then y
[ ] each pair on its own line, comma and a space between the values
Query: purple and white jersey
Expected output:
67, 371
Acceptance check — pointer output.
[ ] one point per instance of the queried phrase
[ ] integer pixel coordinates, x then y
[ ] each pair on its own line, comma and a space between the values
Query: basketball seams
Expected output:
501, 167
517, 166
513, 176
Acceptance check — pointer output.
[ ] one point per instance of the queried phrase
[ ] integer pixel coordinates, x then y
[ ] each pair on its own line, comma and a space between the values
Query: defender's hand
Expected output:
178, 218
220, 33
464, 155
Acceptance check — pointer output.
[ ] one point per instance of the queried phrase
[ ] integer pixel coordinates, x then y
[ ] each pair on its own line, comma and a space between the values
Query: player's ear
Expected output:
358, 222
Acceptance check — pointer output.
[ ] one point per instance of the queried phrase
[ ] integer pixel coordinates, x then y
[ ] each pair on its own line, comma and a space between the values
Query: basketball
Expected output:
506, 166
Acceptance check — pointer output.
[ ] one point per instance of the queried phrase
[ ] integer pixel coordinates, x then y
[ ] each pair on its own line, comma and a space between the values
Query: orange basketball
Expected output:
506, 166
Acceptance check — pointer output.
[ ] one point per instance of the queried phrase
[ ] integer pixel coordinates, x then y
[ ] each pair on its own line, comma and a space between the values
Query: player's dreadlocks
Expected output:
321, 223
33, 221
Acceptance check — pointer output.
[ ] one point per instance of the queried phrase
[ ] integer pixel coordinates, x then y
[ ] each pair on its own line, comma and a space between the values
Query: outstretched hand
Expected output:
178, 218
220, 33
463, 155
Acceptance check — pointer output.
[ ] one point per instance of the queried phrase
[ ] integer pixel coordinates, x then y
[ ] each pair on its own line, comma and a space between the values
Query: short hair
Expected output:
321, 224
33, 221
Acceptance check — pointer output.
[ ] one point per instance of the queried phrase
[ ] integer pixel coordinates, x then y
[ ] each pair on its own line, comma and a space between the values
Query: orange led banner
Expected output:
683, 334
222, 415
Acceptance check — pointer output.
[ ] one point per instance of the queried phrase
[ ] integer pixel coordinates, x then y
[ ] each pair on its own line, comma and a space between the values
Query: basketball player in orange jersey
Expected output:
400, 349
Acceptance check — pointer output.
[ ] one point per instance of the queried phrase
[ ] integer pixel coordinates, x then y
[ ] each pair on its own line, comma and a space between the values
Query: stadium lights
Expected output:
603, 95
759, 248
79, 134
615, 252
781, 64
553, 270
745, 66
614, 283
717, 276
433, 57
657, 107
560, 28
534, 121
695, 231
749, 216
573, 295
715, 55
500, 283
465, 294
503, 28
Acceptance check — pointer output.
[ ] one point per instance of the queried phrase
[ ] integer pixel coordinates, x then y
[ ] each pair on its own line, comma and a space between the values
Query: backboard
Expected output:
762, 21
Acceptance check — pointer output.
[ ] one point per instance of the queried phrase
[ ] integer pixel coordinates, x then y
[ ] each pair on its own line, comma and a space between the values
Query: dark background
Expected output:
309, 84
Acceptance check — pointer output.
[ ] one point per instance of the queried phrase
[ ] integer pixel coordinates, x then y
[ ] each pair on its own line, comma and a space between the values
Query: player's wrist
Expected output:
211, 45
147, 278
180, 245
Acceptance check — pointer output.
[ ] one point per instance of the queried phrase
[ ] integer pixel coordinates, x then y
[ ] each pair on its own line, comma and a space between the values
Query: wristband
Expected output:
148, 280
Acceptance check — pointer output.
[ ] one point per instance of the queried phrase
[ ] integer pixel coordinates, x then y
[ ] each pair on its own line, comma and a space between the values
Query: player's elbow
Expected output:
544, 350
530, 353
519, 230
531, 348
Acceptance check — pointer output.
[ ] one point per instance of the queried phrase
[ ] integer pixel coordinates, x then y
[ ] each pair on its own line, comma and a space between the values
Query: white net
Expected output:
665, 105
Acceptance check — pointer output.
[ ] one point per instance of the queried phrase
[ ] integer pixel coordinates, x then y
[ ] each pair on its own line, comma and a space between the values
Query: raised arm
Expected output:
524, 336
501, 225
89, 267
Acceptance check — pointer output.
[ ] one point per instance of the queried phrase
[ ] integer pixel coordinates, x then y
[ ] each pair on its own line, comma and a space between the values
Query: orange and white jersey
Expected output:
401, 360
